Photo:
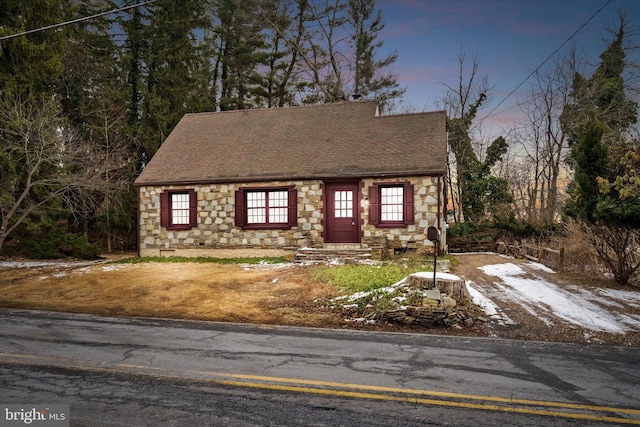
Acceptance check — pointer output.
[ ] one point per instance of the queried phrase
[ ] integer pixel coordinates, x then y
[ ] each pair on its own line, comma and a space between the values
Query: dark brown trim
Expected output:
138, 221
248, 180
241, 208
375, 205
165, 209
329, 222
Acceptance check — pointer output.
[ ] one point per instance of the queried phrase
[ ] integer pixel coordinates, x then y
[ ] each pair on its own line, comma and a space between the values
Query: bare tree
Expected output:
112, 147
323, 53
617, 247
44, 164
543, 141
311, 32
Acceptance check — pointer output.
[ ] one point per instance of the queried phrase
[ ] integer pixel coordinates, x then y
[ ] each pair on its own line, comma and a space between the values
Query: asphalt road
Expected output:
139, 372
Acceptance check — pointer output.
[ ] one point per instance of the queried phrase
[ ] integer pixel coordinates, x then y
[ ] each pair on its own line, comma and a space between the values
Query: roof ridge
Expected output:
413, 114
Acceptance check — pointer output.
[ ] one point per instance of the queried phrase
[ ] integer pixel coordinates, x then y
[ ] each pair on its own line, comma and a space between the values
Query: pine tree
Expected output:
241, 52
93, 90
602, 95
30, 64
173, 68
285, 22
369, 75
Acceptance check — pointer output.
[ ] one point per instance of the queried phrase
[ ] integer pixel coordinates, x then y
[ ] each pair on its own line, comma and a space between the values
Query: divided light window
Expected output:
391, 204
343, 204
178, 209
266, 207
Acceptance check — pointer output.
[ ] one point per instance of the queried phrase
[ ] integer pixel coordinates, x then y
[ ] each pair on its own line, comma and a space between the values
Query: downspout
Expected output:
138, 220
440, 211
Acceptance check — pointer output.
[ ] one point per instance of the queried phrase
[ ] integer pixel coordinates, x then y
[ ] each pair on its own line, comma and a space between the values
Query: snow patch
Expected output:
541, 267
488, 306
439, 275
542, 297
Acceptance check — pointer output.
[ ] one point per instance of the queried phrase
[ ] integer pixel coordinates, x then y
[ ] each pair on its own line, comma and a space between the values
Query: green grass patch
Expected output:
202, 260
365, 278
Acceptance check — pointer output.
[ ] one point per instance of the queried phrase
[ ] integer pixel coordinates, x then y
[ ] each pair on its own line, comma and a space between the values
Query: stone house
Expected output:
267, 182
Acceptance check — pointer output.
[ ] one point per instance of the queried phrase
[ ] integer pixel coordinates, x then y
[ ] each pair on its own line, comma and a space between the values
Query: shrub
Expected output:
462, 229
57, 245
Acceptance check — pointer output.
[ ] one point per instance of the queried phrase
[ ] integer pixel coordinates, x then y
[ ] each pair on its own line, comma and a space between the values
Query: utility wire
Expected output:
62, 24
546, 60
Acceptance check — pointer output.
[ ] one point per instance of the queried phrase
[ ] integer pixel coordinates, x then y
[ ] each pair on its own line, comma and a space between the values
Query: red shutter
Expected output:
164, 209
409, 209
240, 209
193, 208
374, 208
292, 213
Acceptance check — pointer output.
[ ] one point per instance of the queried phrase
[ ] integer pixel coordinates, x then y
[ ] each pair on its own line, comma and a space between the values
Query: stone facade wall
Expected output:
216, 230
216, 221
413, 236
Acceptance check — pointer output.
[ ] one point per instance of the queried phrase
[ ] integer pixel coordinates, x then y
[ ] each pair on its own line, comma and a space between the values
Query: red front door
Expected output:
342, 213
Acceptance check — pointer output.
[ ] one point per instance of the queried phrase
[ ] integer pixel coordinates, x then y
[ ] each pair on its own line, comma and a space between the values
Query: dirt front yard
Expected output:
270, 294
283, 294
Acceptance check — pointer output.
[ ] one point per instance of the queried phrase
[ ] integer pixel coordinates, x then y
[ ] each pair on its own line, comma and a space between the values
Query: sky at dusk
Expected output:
510, 38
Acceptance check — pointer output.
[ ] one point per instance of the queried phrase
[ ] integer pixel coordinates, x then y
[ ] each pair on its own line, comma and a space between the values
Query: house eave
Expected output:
232, 180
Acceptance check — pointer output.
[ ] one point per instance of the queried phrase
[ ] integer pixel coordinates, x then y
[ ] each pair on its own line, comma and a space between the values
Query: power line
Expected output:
62, 24
546, 60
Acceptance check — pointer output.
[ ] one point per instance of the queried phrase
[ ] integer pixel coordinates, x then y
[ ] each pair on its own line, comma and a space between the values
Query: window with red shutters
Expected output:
391, 204
179, 209
266, 207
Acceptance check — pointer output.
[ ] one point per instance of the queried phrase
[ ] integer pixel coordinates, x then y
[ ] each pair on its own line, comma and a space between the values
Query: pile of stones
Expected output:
425, 301
437, 309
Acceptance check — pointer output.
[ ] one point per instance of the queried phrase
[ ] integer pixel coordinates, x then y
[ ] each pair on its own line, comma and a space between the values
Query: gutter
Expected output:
242, 180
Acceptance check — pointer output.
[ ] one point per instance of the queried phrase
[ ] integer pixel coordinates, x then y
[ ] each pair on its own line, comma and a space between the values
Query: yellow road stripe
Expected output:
437, 393
476, 406
331, 390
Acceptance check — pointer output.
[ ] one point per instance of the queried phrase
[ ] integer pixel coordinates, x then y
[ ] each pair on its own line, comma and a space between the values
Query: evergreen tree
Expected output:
604, 159
597, 122
174, 68
369, 71
590, 162
602, 98
285, 22
166, 73
30, 64
241, 53
29, 67
93, 93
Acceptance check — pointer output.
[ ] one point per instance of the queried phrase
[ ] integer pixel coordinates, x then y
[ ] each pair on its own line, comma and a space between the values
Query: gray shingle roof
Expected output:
345, 139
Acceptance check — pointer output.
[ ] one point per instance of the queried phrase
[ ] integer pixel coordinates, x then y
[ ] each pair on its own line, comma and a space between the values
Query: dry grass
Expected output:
230, 293
260, 294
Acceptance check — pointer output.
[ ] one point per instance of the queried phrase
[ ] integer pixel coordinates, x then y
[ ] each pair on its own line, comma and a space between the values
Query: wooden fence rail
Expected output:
552, 258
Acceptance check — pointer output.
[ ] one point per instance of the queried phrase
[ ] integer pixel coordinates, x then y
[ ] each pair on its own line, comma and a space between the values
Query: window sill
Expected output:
280, 226
179, 227
392, 225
